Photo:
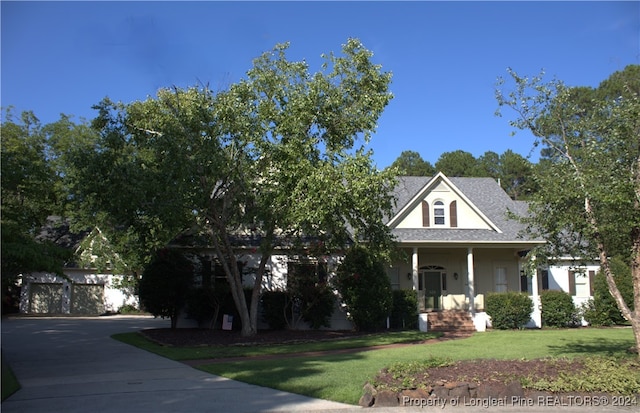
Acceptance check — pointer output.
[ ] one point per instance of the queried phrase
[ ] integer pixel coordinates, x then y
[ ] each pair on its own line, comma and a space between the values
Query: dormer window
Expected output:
438, 213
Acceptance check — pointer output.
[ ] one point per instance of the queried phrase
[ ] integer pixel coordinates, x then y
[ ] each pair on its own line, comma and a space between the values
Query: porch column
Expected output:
414, 268
471, 293
536, 316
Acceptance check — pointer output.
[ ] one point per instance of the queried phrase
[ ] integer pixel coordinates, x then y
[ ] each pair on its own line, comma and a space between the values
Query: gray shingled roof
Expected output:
485, 193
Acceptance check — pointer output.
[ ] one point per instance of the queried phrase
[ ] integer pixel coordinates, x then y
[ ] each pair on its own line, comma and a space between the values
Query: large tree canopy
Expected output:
588, 203
279, 156
30, 194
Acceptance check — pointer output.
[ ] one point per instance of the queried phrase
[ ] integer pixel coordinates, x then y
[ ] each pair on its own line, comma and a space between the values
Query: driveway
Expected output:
72, 365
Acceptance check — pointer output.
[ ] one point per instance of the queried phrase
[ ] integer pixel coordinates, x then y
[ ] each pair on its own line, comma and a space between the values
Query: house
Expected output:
457, 238
83, 289
460, 245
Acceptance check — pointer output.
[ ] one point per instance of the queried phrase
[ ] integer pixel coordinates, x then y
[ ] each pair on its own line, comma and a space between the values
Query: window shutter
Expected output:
592, 275
425, 214
453, 214
572, 283
540, 272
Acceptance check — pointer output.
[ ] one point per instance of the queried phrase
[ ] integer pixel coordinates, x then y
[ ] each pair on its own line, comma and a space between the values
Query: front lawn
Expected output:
340, 377
219, 351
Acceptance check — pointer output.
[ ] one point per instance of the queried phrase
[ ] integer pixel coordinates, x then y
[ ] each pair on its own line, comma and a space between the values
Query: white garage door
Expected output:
87, 299
45, 298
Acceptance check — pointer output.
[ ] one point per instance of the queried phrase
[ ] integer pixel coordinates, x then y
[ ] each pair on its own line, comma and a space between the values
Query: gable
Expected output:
440, 204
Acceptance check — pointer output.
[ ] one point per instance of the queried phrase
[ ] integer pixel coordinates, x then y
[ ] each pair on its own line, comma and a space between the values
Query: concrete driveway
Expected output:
72, 365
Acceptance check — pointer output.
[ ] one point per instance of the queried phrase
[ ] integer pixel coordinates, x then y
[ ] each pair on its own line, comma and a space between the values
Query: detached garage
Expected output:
87, 299
45, 298
81, 292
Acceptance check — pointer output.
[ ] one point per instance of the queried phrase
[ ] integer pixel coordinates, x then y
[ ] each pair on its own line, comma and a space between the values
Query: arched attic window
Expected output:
439, 217
439, 214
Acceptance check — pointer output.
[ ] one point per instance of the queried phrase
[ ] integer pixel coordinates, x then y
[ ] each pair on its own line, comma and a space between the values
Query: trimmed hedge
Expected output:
404, 311
558, 309
365, 289
274, 304
509, 310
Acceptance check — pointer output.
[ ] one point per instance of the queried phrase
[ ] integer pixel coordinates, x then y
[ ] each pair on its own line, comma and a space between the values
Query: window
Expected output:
543, 279
306, 272
394, 278
501, 279
438, 213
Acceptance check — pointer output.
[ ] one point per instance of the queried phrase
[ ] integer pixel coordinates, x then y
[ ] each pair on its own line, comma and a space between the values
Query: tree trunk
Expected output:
632, 316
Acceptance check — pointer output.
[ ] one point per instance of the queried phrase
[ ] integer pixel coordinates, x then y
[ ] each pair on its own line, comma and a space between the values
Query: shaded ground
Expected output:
188, 337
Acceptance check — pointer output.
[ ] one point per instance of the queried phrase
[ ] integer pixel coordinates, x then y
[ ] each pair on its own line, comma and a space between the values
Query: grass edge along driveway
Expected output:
340, 377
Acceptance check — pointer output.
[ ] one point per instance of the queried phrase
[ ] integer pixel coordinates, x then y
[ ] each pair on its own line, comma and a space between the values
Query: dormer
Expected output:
441, 205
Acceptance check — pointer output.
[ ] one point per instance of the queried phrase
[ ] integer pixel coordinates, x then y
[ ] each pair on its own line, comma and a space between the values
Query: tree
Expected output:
516, 175
278, 157
365, 289
457, 163
165, 283
29, 195
589, 199
410, 163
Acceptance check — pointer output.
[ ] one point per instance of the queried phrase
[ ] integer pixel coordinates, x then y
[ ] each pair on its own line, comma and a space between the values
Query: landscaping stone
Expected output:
460, 391
386, 398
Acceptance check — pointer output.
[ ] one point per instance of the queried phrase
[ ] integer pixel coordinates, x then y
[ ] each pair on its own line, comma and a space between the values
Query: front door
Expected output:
430, 289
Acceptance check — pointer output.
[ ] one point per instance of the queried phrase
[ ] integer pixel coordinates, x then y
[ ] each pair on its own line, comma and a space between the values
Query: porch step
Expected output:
449, 320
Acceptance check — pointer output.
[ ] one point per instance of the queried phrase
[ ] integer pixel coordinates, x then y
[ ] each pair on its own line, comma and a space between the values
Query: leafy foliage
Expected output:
558, 309
588, 202
602, 310
274, 308
279, 156
165, 284
410, 163
509, 310
364, 288
404, 310
599, 375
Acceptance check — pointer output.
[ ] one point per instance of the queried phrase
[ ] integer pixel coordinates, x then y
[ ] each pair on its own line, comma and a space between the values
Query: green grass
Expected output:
206, 352
341, 377
10, 383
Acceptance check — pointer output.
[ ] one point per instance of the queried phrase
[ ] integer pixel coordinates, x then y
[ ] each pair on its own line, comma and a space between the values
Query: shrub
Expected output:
602, 310
558, 309
594, 315
319, 306
203, 305
129, 309
508, 310
165, 283
404, 311
273, 309
364, 288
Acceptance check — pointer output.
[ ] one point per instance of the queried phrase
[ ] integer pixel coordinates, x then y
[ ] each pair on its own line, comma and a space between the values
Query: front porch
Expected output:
454, 280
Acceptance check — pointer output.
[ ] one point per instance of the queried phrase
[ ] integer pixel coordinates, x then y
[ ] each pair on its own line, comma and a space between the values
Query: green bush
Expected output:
508, 310
558, 309
129, 309
602, 310
404, 311
274, 305
319, 306
594, 314
165, 283
364, 288
203, 305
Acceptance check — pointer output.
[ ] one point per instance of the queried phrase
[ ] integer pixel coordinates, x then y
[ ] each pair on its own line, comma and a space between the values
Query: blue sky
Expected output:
64, 57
